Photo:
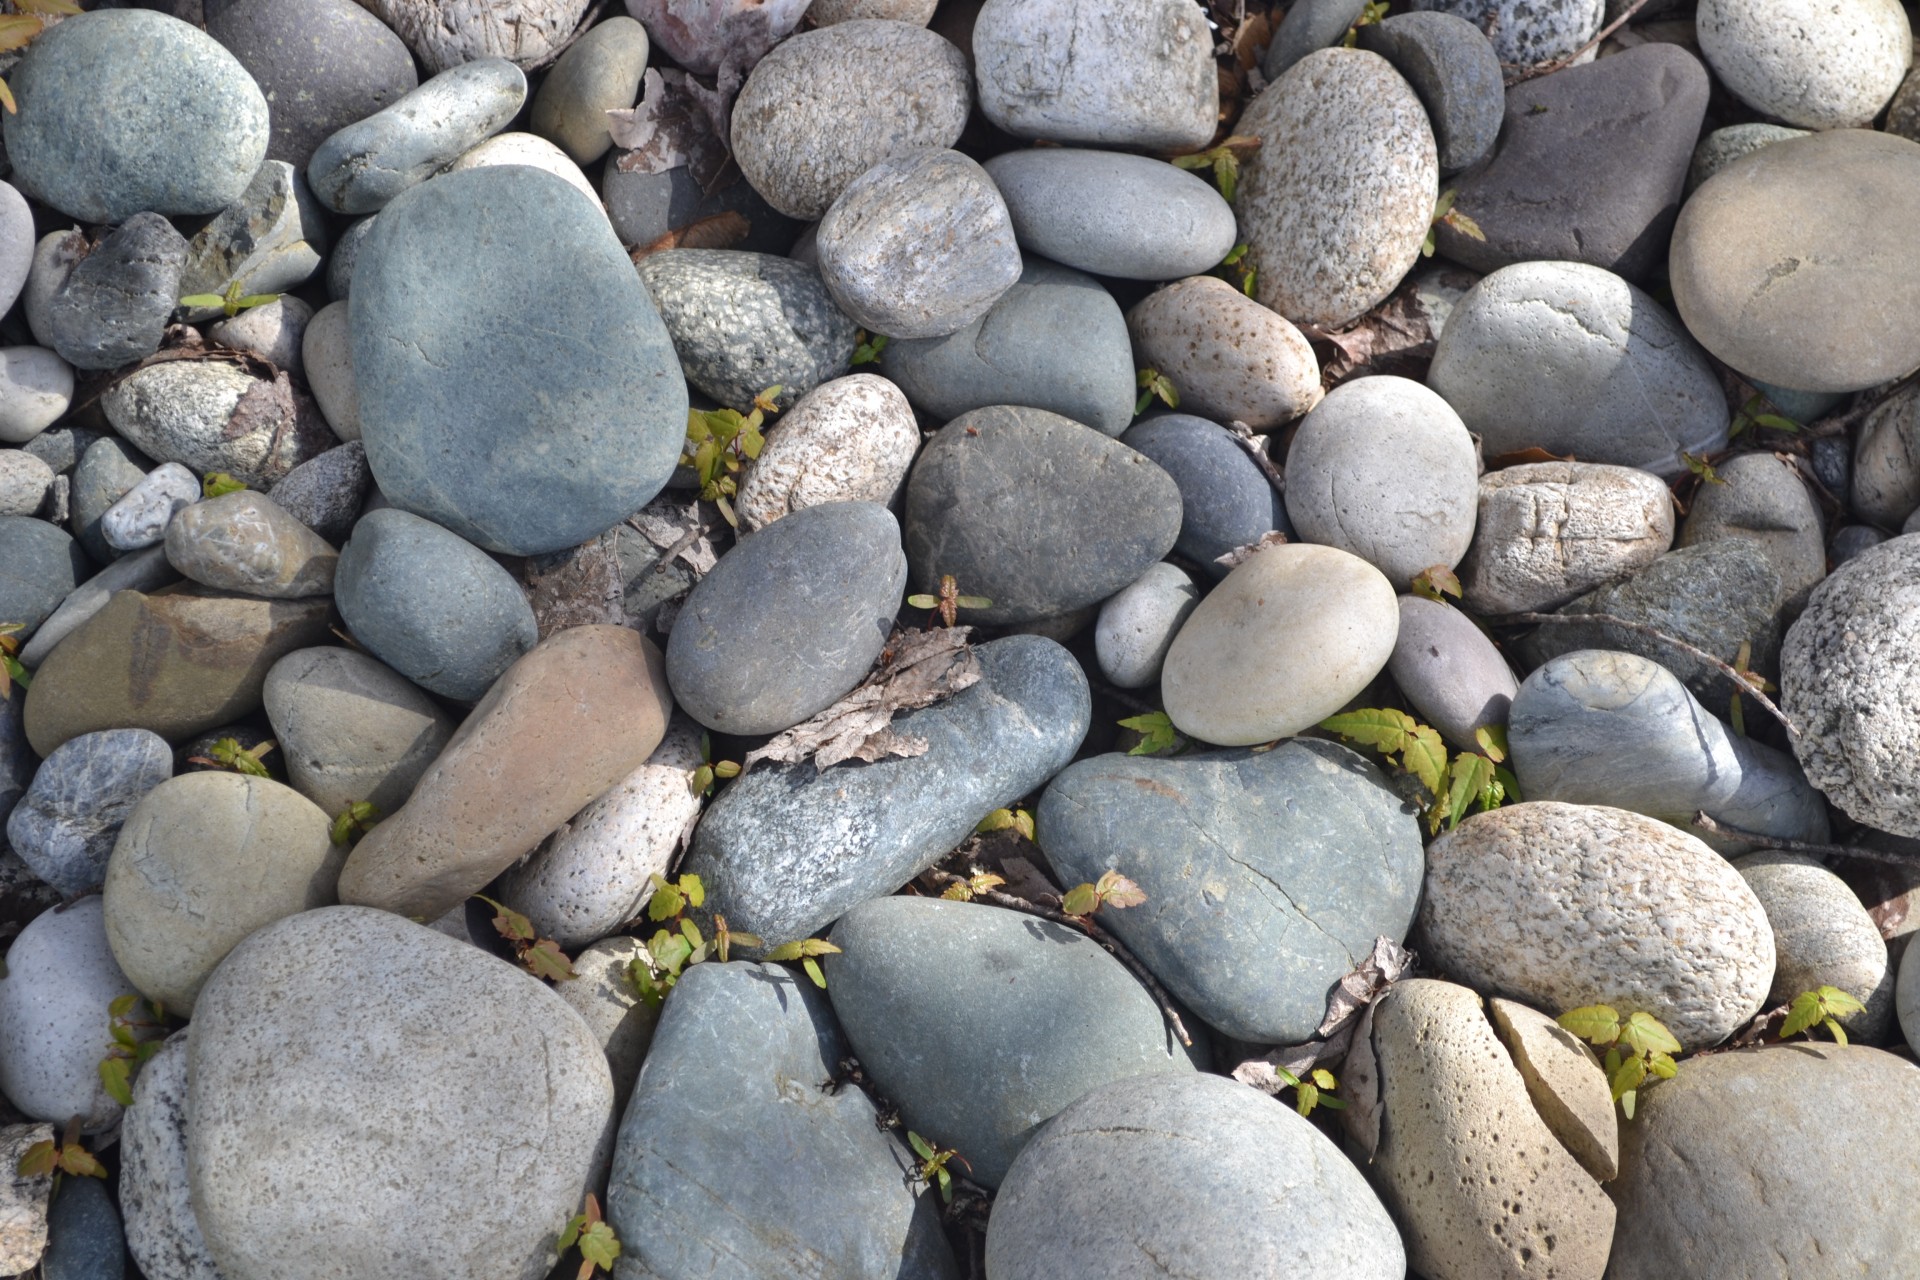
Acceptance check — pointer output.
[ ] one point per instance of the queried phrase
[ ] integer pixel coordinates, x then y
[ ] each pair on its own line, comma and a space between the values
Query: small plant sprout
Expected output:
1154, 385
11, 671
1315, 1091
233, 302
1113, 890
1456, 786
353, 822
1239, 268
678, 941
590, 1233
722, 441
806, 951
933, 1165
1736, 709
541, 957
219, 483
1755, 413
1003, 819
1371, 13
66, 1156
1436, 582
1637, 1047
1698, 464
18, 29
867, 348
125, 1021
974, 886
1823, 1008
1223, 160
1444, 212
1157, 734
710, 769
947, 605
228, 754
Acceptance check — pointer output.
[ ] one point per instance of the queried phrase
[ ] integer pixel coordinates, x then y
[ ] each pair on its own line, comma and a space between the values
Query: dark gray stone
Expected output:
431, 605
742, 322
1267, 876
84, 1239
346, 256
322, 64
1450, 671
824, 1191
65, 825
113, 309
787, 849
326, 492
936, 997
1831, 456
1226, 501
61, 447
1527, 32
1455, 71
1037, 513
268, 241
789, 620
537, 450
39, 566
17, 760
1590, 166
1850, 540
1057, 341
644, 207
1763, 500
1309, 25
173, 123
108, 469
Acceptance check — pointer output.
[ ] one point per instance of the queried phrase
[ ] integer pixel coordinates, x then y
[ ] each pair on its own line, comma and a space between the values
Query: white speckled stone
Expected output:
36, 386
1550, 531
24, 482
849, 440
1138, 623
1528, 32
1823, 64
1230, 358
1822, 936
274, 331
141, 515
162, 1233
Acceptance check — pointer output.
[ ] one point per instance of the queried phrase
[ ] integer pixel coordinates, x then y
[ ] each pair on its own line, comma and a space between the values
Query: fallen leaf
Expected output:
579, 586
1386, 964
1522, 457
677, 123
721, 231
683, 529
1240, 555
1389, 337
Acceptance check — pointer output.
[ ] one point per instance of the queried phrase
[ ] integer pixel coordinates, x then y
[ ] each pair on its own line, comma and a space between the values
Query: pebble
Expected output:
1524, 33
42, 565
1335, 219
1907, 996
848, 440
1570, 358
787, 849
65, 825
1338, 616
36, 387
1267, 876
1226, 501
1456, 679
16, 243
1308, 27
1822, 936
275, 331
1762, 500
346, 256
112, 308
61, 447
1055, 341
827, 12
327, 352
1850, 540
1564, 905
1600, 524
531, 34
655, 208
1072, 71
1885, 477
215, 416
1456, 72
1230, 358
84, 1238
527, 149
602, 994
1072, 518
1821, 66
598, 73
54, 257
268, 241
141, 515
1113, 214
174, 123
718, 34
326, 492
245, 542
23, 1201
351, 728
790, 131
304, 1023
1137, 625
140, 571
25, 482
162, 1232
1721, 147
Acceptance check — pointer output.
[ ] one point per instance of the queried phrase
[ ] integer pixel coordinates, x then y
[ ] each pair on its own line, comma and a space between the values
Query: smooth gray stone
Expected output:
1603, 727
25, 482
742, 322
62, 447
1800, 406
1035, 512
1268, 875
937, 996
578, 430
1526, 33
141, 571
16, 244
351, 728
599, 72
369, 162
54, 257
84, 1238
431, 605
1763, 500
825, 1191
162, 1233
1453, 675
326, 492
1226, 501
788, 849
106, 472
39, 567
140, 518
61, 977
18, 762
1309, 25
1822, 936
644, 207
346, 256
1850, 540
1137, 625
270, 240
113, 308
1454, 69
36, 390
789, 620
1885, 487
275, 331
173, 123
65, 825
1114, 214
1056, 341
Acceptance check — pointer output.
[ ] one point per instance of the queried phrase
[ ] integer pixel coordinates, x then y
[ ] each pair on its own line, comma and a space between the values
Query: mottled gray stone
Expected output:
174, 125
351, 728
140, 517
723, 36
65, 825
1137, 625
346, 256
1035, 512
935, 996
1309, 26
162, 1233
1454, 69
25, 482
645, 207
326, 492
1267, 876
270, 240
84, 1238
1226, 501
1822, 936
1230, 358
141, 571
62, 447
113, 307
1850, 540
16, 243
39, 567
599, 72
1114, 214
1821, 66
367, 163
1721, 147
824, 13
1450, 671
1056, 341
848, 440
275, 331
1764, 501
787, 849
1600, 524
36, 387
1527, 32
54, 257
244, 542
216, 416
1886, 461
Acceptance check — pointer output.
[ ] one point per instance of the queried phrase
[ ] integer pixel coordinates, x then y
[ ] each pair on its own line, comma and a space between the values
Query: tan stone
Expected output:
1550, 531
23, 1201
1566, 1082
607, 1002
245, 542
1229, 357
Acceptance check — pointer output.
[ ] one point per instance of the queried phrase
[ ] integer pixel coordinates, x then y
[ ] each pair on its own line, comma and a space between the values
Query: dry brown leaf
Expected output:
1521, 457
1390, 336
1385, 965
721, 231
678, 122
1240, 555
681, 527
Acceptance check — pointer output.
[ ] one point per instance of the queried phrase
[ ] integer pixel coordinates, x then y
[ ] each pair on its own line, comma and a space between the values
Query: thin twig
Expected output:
1837, 423
1123, 697
1092, 930
1256, 449
1561, 64
1709, 825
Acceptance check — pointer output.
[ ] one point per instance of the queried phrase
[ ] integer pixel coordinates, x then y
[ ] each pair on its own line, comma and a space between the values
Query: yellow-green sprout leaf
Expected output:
1464, 225
1803, 1013
812, 968
78, 1161
1118, 892
1628, 1076
998, 820
197, 300
115, 1080
1839, 1036
1492, 739
1839, 1003
1425, 757
1597, 1024
1324, 1078
1081, 900
1305, 1097
39, 1160
1437, 582
1662, 1065
1644, 1033
1628, 1101
1471, 775
1698, 464
512, 925
1156, 733
667, 900
218, 483
1385, 729
599, 1245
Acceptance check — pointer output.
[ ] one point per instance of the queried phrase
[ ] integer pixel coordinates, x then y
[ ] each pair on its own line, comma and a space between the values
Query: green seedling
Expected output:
1239, 268
353, 822
11, 671
979, 884
1157, 734
1445, 213
1637, 1047
541, 957
1113, 890
1756, 412
948, 603
1736, 708
805, 950
55, 1158
1154, 385
867, 349
1698, 464
1018, 820
934, 1160
1224, 160
720, 442
711, 770
1373, 12
228, 754
125, 1022
233, 302
597, 1243
1822, 1007
1456, 785
1315, 1091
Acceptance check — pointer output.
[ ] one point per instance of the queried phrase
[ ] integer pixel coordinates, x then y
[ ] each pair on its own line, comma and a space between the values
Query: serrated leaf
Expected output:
1385, 729
957, 893
39, 1160
544, 959
1597, 1024
121, 1006
1324, 1078
998, 820
1118, 892
510, 923
1629, 1075
599, 1245
1472, 774
1840, 1003
78, 1161
1492, 739
1425, 757
1156, 732
1081, 900
1804, 1012
667, 901
116, 1079
1662, 1065
1305, 1097
1465, 226
1644, 1033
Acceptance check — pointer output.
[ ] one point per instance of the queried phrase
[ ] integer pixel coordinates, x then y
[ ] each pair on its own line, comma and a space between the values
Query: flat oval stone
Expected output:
1137, 625
36, 387
212, 415
1454, 69
1524, 33
1450, 671
848, 440
1113, 214
326, 349
244, 542
1057, 1014
162, 1233
113, 308
598, 73
174, 123
1267, 876
1763, 500
1035, 512
1822, 936
1776, 278
1600, 523
1818, 65
65, 825
1335, 218
351, 728
275, 331
531, 454
39, 567
1230, 358
1226, 501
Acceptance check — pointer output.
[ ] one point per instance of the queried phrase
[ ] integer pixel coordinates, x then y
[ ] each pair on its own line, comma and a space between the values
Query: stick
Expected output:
1560, 64
1707, 824
1243, 435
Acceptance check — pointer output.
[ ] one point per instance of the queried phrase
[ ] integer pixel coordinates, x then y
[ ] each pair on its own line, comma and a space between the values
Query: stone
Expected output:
725, 36
268, 241
1886, 461
213, 415
308, 1060
54, 257
1267, 876
603, 995
1907, 995
39, 567
658, 208
848, 440
25, 482
1755, 254
790, 134
275, 331
1226, 501
1160, 1168
65, 825
742, 322
327, 352
1059, 1015
1822, 936
1566, 1083
531, 150
23, 1201
1821, 66
1456, 679
351, 728
61, 448
1570, 358
787, 849
346, 256
1563, 905
1054, 483
162, 1233
245, 542
598, 73
827, 12
1337, 613
1850, 540
179, 662
175, 124
1230, 358
113, 307
531, 34
16, 243
789, 620
53, 1017
140, 571
1602, 524
1456, 72
1385, 469
1762, 500
1055, 341
326, 492
1523, 33
36, 387
1308, 27
1079, 71
1589, 167
1137, 625
1721, 147
533, 752
18, 764
827, 1192
140, 517
363, 166
1335, 219
918, 246
1113, 214
1715, 1147
108, 469
84, 1239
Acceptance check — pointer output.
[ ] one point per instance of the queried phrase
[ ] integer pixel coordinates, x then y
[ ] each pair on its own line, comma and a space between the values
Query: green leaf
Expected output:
1804, 1012
78, 1161
574, 1226
1493, 740
1839, 1036
1385, 729
667, 900
1776, 422
1226, 174
998, 820
600, 1246
1839, 1003
1662, 1065
1156, 733
1023, 823
39, 1160
1236, 253
1444, 203
1465, 226
1627, 1101
1630, 1075
1472, 774
1081, 900
812, 967
921, 600
921, 1147
123, 1035
219, 483
694, 888
1644, 1033
1333, 1103
1427, 246
1324, 1078
121, 1006
197, 300
1305, 1098
1198, 160
1595, 1023
1698, 464
115, 1079
1425, 757
512, 925
544, 959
